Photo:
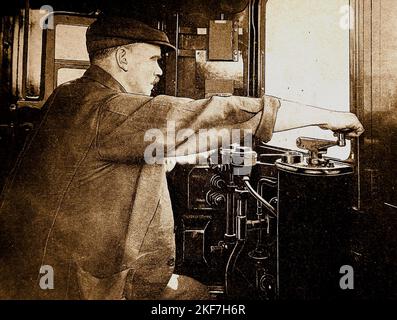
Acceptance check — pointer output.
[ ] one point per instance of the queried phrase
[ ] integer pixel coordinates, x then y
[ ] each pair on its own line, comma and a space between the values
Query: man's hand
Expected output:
344, 121
292, 115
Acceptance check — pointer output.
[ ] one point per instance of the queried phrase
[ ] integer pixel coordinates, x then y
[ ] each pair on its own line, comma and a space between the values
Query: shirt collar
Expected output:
98, 74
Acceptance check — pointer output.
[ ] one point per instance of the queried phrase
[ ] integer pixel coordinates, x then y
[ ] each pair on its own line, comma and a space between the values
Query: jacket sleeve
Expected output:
130, 126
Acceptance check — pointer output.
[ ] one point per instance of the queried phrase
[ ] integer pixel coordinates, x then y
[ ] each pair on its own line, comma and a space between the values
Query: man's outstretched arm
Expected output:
293, 115
127, 124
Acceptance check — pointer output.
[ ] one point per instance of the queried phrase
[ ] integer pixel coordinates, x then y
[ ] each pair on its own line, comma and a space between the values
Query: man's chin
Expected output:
144, 92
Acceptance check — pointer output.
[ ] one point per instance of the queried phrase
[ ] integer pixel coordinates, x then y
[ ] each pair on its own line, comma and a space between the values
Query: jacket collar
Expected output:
98, 74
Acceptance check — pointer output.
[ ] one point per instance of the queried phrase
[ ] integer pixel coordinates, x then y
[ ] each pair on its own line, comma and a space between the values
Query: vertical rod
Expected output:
358, 83
261, 47
241, 219
230, 232
249, 50
253, 20
25, 49
176, 54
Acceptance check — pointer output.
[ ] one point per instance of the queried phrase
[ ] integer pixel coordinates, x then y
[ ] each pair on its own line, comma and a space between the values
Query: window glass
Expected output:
70, 42
68, 74
307, 60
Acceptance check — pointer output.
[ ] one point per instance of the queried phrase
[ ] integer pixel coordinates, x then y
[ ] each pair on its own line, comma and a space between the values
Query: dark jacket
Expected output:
82, 200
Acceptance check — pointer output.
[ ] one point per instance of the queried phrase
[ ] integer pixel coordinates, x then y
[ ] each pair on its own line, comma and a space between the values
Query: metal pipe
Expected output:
259, 197
249, 49
176, 54
254, 49
241, 227
259, 190
241, 218
261, 47
229, 233
25, 47
259, 211
231, 263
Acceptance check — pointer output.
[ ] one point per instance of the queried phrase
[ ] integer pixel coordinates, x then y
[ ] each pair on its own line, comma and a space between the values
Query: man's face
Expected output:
143, 68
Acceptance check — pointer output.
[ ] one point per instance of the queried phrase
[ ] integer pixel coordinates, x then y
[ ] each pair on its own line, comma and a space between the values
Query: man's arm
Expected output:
130, 127
294, 115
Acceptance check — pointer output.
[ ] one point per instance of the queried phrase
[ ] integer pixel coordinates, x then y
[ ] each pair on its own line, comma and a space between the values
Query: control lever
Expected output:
318, 147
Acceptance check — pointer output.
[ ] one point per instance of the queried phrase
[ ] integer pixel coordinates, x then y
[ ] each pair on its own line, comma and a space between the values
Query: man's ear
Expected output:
121, 58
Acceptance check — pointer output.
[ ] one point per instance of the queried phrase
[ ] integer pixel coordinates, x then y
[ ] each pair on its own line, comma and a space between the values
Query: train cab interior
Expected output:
284, 219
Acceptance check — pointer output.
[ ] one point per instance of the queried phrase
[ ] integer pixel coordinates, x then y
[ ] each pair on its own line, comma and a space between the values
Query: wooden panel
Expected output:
193, 42
218, 87
187, 78
374, 98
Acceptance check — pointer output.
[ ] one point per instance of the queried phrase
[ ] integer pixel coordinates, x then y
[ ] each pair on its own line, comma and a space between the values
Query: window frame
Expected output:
50, 65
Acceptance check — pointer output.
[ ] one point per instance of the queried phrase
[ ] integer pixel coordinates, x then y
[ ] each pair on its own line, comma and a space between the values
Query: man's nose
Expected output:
158, 71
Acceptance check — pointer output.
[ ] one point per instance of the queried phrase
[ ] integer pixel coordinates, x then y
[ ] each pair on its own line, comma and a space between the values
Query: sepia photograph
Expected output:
216, 151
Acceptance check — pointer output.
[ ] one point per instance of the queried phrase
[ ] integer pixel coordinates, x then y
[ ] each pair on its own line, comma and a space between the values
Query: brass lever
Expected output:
318, 147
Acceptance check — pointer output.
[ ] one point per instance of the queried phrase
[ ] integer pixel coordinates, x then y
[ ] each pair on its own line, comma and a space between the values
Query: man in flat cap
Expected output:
83, 215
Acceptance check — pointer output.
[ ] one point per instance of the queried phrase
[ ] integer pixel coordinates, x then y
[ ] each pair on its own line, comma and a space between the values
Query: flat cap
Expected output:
108, 32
